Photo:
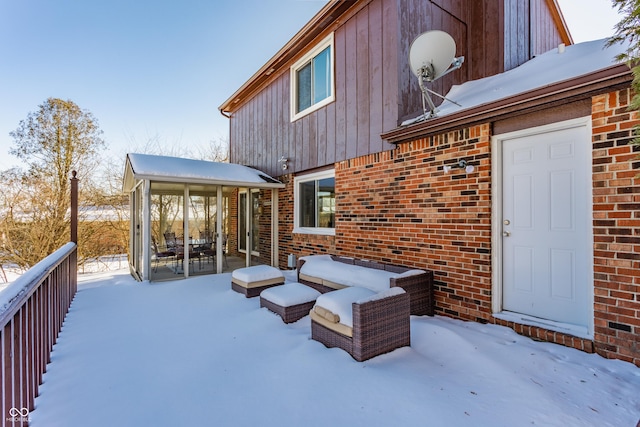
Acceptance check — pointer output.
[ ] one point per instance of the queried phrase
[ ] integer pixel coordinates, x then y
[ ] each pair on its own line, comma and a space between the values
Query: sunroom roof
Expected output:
190, 171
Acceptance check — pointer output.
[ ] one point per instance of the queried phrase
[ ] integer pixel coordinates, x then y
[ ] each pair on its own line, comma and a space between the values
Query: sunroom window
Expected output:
312, 80
315, 203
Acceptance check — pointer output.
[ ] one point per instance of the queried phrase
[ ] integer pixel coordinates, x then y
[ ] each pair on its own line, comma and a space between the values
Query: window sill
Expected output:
318, 231
311, 109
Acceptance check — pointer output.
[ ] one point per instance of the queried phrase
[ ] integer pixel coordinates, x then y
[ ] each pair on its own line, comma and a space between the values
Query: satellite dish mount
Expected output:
431, 56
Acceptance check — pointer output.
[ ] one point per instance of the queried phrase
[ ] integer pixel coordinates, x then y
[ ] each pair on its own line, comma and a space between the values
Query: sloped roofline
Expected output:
316, 27
558, 19
154, 168
608, 79
328, 16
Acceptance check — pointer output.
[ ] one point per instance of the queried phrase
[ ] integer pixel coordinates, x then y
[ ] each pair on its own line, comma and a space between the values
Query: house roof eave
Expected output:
558, 19
227, 177
329, 14
128, 180
200, 181
605, 80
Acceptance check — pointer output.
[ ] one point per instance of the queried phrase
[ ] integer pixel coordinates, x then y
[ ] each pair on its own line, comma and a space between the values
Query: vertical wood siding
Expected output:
529, 31
374, 88
366, 103
416, 18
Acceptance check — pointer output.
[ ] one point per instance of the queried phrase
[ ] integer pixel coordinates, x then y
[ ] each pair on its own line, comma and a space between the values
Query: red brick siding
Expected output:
616, 226
232, 237
264, 245
296, 243
399, 207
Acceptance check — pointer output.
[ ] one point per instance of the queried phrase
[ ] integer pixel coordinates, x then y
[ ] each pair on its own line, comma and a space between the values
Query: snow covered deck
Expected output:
193, 352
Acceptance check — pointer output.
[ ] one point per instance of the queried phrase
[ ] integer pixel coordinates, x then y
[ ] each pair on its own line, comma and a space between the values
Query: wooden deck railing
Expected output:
30, 323
32, 310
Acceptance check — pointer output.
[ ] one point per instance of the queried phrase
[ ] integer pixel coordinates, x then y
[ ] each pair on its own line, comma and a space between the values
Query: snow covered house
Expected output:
539, 230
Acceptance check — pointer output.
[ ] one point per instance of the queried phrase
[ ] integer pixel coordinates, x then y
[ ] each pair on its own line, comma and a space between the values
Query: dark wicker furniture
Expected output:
379, 326
418, 286
289, 314
250, 281
251, 292
291, 301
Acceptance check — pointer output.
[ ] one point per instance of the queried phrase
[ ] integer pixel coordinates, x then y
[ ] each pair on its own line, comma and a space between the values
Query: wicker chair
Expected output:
379, 326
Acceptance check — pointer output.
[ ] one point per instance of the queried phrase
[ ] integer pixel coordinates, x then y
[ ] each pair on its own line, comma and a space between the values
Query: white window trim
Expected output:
296, 197
327, 41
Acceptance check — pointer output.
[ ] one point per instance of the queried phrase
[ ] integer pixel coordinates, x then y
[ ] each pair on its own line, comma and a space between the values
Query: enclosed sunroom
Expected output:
180, 214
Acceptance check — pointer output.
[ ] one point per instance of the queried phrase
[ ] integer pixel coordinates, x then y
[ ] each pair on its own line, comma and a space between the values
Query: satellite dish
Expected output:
431, 56
432, 53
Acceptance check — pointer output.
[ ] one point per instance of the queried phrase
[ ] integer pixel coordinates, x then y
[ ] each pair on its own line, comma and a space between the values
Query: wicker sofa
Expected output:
379, 322
327, 273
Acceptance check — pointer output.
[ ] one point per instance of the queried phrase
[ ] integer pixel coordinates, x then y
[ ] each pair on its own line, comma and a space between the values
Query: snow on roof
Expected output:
551, 67
176, 169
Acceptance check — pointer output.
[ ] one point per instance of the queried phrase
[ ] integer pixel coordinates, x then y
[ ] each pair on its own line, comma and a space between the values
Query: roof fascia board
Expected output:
187, 180
128, 182
558, 19
326, 20
605, 80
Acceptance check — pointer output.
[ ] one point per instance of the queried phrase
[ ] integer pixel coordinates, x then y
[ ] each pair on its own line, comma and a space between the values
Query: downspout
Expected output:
228, 116
274, 229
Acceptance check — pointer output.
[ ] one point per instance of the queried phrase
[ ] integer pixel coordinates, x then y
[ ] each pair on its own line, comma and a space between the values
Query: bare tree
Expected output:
216, 151
51, 142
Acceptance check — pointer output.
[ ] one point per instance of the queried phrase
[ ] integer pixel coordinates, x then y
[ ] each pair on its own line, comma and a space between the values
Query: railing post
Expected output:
74, 207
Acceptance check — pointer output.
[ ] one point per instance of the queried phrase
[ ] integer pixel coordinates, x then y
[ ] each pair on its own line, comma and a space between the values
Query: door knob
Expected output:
506, 233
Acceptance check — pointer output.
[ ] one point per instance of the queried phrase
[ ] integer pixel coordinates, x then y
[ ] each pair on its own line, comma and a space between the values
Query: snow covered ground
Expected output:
193, 352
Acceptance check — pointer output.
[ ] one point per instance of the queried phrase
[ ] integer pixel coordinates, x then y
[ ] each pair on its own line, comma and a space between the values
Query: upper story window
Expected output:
315, 203
312, 80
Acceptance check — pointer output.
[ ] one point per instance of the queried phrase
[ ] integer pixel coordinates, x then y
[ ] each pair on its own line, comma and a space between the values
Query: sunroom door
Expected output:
249, 221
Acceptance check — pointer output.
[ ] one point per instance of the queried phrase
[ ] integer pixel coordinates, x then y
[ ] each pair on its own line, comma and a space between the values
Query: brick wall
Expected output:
296, 243
616, 225
400, 207
264, 238
232, 237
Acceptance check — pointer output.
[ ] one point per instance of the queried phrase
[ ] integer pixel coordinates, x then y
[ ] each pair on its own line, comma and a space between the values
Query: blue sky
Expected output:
160, 69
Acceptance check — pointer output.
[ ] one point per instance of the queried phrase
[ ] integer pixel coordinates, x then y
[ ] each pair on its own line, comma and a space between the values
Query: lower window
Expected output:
315, 203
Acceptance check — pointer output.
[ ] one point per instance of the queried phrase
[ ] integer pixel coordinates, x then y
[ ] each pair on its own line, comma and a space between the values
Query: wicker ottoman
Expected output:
291, 301
250, 281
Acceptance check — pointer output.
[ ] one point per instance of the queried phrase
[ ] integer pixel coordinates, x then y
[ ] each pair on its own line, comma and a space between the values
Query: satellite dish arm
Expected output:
443, 97
455, 64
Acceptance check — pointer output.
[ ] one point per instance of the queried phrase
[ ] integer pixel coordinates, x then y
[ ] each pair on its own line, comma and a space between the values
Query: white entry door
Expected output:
546, 225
